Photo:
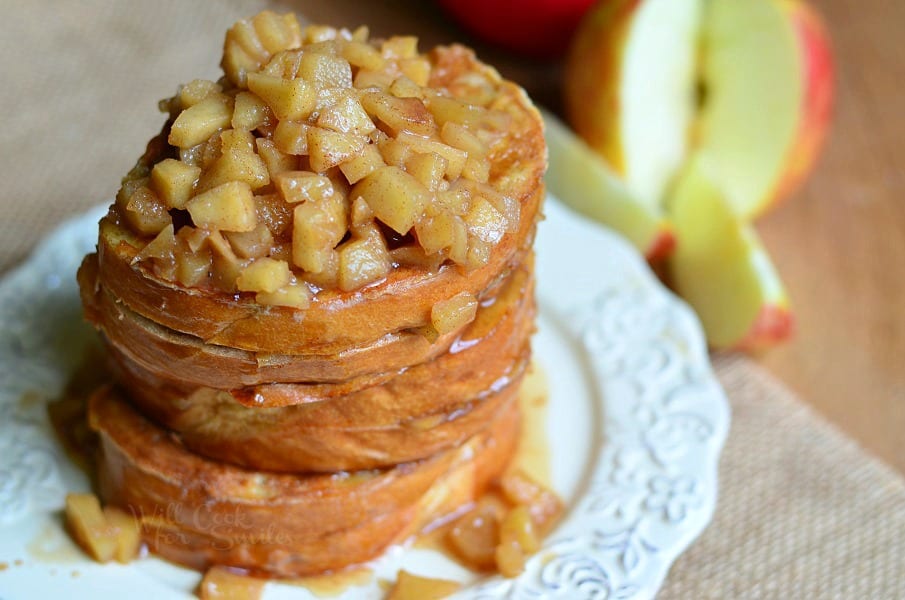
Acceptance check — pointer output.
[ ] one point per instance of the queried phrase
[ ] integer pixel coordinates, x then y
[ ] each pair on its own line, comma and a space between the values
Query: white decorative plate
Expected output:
636, 424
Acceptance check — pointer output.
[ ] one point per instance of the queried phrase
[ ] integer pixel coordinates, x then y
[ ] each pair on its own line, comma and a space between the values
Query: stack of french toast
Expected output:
316, 294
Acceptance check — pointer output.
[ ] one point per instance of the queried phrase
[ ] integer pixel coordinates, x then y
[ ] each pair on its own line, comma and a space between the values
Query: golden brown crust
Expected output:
179, 357
200, 512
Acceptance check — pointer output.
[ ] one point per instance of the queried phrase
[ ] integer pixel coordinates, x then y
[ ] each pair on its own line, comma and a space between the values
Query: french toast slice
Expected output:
200, 512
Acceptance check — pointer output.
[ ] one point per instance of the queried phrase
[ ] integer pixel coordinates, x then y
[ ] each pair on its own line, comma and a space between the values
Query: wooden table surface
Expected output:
839, 243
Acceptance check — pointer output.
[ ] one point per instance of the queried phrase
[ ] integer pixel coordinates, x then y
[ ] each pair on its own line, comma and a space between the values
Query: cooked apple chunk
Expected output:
327, 149
238, 161
427, 168
145, 212
460, 137
197, 90
250, 244
277, 32
362, 55
298, 186
403, 87
128, 534
453, 313
455, 158
362, 164
249, 112
294, 294
198, 122
485, 222
264, 275
325, 70
90, 528
219, 583
475, 536
317, 228
544, 506
445, 109
400, 46
398, 114
291, 137
227, 207
363, 261
441, 231
291, 99
409, 586
274, 159
397, 198
346, 116
174, 181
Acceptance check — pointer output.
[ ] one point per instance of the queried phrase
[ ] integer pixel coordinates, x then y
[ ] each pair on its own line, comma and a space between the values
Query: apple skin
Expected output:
817, 100
591, 106
773, 324
535, 28
584, 182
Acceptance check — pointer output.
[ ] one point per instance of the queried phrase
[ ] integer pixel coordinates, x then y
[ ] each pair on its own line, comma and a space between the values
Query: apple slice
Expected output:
584, 182
721, 269
630, 87
768, 77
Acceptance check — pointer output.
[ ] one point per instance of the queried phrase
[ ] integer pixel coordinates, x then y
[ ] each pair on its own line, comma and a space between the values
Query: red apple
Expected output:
536, 28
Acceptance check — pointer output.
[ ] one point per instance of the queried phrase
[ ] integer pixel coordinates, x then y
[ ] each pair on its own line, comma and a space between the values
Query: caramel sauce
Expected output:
52, 545
331, 585
532, 456
69, 413
533, 453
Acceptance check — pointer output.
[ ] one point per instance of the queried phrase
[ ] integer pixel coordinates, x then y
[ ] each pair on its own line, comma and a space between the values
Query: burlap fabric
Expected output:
803, 512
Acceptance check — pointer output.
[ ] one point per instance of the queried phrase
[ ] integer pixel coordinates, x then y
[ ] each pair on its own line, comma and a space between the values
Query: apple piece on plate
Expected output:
630, 87
767, 78
721, 269
583, 181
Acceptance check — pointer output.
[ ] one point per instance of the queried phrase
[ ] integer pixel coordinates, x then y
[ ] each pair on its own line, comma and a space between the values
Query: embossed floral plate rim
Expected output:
637, 423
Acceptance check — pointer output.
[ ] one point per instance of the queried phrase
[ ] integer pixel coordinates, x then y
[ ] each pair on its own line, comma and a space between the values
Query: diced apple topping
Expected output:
264, 275
360, 54
145, 212
287, 98
128, 534
249, 112
227, 207
398, 114
397, 198
475, 535
544, 506
453, 313
362, 164
198, 122
174, 181
298, 186
327, 149
105, 534
317, 229
250, 43
89, 527
363, 261
409, 586
286, 166
293, 295
219, 583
